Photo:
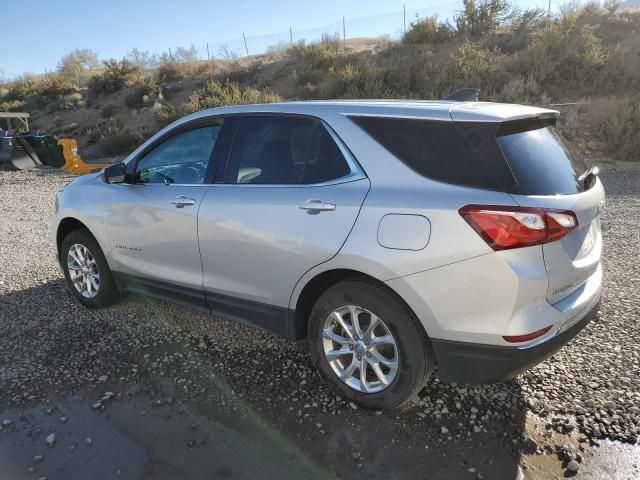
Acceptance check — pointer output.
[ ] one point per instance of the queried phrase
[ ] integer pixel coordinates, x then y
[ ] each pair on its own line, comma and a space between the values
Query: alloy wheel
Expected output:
360, 349
83, 270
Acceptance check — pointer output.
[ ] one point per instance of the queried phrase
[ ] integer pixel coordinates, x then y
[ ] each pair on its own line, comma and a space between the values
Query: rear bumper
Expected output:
473, 363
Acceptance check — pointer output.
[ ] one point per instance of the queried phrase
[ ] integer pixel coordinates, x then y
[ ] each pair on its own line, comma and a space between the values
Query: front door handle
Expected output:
181, 201
317, 206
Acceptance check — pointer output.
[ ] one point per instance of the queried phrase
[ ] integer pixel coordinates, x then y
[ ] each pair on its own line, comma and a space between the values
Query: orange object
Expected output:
72, 161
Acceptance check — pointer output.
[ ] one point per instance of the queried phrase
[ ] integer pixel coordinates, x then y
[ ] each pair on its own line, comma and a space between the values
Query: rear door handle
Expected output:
181, 201
316, 206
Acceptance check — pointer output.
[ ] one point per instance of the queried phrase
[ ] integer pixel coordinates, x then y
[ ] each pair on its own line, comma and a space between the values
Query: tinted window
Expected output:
182, 159
281, 150
458, 153
542, 162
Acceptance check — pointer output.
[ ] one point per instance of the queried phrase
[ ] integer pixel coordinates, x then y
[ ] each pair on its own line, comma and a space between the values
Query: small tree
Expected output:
611, 6
184, 55
428, 30
227, 53
77, 65
142, 59
483, 16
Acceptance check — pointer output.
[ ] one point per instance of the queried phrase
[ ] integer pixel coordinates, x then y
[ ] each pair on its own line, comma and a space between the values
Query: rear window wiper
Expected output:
588, 177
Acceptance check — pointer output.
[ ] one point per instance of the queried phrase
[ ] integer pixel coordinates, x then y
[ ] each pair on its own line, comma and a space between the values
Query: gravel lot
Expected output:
148, 390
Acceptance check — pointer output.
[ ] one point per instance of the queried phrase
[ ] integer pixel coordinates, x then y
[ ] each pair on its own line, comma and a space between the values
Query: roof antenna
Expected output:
464, 95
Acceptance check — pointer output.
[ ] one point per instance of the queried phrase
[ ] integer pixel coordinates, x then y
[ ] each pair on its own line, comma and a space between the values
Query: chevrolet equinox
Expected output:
394, 236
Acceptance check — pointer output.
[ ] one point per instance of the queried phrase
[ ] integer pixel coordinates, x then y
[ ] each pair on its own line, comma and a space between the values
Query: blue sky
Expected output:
47, 30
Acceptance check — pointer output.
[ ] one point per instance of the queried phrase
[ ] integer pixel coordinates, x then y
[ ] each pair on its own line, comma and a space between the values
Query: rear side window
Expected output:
282, 150
457, 153
542, 162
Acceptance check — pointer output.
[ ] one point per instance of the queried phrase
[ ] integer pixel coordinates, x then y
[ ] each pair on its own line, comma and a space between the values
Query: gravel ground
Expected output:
166, 392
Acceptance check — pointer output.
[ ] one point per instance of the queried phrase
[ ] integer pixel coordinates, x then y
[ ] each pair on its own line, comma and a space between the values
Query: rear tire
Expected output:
397, 343
86, 271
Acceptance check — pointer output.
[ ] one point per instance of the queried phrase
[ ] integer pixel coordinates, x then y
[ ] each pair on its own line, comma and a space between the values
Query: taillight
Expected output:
526, 337
504, 227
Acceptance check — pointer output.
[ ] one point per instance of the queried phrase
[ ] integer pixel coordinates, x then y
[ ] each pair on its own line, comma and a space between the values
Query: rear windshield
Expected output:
524, 157
542, 162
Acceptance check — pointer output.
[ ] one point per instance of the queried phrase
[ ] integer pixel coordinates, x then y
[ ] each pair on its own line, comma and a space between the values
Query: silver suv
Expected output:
394, 236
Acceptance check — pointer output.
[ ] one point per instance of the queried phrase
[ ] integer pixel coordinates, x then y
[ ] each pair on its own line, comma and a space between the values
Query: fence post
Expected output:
404, 16
246, 49
344, 35
290, 35
208, 52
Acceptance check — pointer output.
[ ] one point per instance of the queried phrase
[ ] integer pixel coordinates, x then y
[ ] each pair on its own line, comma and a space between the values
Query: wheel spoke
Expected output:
340, 352
331, 335
382, 340
375, 321
375, 366
80, 252
347, 372
355, 321
336, 316
379, 358
75, 257
363, 374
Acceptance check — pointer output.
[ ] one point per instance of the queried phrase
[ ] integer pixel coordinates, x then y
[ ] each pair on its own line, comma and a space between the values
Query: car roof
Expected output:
426, 109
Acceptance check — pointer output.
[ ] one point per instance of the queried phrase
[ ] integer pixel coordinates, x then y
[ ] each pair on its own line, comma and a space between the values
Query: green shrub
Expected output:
520, 90
56, 85
565, 55
619, 131
475, 66
12, 106
120, 142
71, 101
116, 76
314, 55
216, 94
359, 82
21, 90
428, 31
144, 95
170, 69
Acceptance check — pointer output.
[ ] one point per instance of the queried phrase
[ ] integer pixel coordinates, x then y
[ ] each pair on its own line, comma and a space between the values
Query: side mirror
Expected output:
115, 173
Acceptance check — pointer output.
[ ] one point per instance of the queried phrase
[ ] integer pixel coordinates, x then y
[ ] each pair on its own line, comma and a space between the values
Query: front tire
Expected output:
369, 345
86, 271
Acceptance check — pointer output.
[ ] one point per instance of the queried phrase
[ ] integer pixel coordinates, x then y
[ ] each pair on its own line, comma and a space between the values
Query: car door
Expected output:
290, 195
152, 221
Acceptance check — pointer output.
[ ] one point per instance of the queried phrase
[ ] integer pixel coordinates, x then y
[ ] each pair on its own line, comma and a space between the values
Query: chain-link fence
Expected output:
392, 25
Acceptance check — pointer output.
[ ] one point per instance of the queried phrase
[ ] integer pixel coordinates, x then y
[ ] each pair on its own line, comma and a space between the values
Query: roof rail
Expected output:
464, 95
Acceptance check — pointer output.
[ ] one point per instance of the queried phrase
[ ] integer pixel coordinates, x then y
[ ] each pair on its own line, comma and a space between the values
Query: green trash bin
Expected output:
46, 146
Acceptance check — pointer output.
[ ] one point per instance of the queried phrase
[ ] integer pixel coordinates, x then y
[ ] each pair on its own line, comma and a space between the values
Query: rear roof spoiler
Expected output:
464, 95
509, 127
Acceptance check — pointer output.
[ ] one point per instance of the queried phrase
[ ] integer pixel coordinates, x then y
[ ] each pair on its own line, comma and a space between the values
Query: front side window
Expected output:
182, 159
282, 150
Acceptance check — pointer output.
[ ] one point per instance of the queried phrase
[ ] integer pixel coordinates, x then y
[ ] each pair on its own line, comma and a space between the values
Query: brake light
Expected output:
504, 227
526, 337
